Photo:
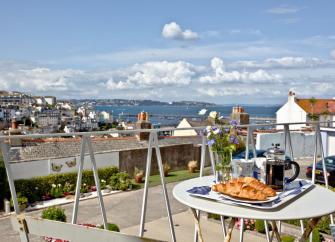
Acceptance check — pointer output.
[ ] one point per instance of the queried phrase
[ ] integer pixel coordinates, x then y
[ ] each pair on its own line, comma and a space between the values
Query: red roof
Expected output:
321, 106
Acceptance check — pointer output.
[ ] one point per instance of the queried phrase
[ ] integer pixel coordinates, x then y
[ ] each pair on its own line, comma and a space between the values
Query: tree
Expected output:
313, 101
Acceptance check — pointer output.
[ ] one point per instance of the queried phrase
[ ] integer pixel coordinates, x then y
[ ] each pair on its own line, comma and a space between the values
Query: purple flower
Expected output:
233, 139
233, 123
211, 142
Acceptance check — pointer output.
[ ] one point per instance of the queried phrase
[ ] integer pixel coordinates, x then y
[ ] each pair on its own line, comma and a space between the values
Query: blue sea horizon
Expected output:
128, 113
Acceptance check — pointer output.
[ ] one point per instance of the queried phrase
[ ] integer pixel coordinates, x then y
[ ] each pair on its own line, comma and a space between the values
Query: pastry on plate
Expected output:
245, 188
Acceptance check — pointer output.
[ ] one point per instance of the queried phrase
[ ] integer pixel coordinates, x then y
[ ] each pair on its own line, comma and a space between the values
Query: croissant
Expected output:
239, 190
253, 182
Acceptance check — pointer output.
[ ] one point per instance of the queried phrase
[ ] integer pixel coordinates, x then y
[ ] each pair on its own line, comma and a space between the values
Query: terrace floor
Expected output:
124, 209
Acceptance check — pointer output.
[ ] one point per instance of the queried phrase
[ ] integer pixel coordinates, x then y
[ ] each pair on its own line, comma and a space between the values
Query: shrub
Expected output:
56, 190
287, 238
260, 227
111, 227
54, 213
316, 236
37, 187
120, 181
21, 200
4, 188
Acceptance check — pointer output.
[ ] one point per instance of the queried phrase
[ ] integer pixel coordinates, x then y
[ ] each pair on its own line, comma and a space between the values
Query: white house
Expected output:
105, 117
40, 101
51, 100
186, 123
303, 110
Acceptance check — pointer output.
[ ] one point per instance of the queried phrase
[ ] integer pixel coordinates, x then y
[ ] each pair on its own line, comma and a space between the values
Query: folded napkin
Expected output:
204, 190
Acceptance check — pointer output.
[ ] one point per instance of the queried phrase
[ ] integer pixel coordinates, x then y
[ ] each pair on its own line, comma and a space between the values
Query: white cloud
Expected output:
284, 9
333, 54
152, 74
295, 62
221, 75
174, 31
175, 80
230, 91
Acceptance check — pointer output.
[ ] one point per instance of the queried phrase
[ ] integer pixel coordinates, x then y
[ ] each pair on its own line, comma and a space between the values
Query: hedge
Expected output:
4, 188
37, 187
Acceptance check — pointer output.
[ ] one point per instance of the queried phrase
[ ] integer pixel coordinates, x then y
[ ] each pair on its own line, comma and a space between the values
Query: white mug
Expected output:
242, 168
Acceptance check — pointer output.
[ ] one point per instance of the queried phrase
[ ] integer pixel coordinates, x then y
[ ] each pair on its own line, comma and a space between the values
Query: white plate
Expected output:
270, 199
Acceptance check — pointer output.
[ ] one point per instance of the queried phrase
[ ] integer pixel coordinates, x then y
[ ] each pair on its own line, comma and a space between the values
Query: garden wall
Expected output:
176, 156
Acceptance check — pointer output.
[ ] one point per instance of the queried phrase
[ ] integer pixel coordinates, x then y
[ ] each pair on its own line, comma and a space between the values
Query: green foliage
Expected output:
4, 187
54, 213
120, 181
21, 200
56, 190
111, 227
37, 187
260, 227
287, 238
316, 236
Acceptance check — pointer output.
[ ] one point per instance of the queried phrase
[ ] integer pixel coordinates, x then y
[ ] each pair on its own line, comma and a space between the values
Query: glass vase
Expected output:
223, 167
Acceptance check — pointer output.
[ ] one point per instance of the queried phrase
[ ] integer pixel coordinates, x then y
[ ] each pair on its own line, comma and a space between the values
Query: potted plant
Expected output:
192, 166
138, 175
21, 200
56, 190
166, 168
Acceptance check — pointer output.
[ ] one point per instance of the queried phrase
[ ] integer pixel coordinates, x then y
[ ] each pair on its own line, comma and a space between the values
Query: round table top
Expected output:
316, 202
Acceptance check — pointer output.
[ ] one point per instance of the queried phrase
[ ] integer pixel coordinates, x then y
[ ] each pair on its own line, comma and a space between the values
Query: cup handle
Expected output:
297, 171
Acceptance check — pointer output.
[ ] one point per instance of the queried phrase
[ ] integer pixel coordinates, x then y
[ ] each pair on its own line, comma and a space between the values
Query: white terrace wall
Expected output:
29, 169
303, 143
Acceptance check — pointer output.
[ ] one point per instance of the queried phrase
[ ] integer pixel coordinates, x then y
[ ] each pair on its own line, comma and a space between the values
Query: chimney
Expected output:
14, 124
291, 96
143, 123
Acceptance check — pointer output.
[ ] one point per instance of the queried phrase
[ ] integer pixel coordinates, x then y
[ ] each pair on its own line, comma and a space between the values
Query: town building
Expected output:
304, 110
105, 117
50, 100
8, 99
40, 101
188, 123
47, 119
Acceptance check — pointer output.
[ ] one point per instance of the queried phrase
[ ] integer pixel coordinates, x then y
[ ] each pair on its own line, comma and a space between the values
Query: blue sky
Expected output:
219, 51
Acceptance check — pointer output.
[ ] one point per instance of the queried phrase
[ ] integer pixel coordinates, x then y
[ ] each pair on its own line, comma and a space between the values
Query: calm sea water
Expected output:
178, 112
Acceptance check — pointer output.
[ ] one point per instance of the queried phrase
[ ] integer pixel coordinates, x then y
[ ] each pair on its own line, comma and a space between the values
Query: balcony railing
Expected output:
86, 144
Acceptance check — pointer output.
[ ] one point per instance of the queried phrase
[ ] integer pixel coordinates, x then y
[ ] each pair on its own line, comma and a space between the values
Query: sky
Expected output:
225, 52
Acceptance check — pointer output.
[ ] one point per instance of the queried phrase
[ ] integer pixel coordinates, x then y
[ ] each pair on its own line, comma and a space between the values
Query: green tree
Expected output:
313, 101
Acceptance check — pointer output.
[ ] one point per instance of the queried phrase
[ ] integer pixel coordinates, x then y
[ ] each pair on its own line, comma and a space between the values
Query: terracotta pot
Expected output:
138, 179
192, 169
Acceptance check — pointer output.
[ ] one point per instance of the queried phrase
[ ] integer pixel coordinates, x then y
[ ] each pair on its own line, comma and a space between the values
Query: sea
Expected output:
171, 115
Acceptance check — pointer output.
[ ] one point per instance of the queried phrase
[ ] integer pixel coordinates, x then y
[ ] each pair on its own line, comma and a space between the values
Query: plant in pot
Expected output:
21, 200
192, 166
166, 168
56, 190
68, 189
56, 214
138, 175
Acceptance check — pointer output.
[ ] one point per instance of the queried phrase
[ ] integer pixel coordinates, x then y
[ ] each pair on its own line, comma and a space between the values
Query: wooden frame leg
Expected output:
309, 228
196, 217
230, 230
275, 231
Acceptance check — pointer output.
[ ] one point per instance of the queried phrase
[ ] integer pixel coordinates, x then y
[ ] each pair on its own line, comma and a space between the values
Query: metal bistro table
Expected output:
311, 205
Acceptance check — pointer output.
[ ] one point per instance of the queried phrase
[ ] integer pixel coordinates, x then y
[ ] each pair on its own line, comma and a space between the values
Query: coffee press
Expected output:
276, 164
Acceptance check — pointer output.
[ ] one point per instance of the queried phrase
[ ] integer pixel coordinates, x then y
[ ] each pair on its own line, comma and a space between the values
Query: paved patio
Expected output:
124, 209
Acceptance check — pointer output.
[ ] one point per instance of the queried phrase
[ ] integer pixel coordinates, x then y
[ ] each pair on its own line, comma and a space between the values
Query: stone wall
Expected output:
176, 156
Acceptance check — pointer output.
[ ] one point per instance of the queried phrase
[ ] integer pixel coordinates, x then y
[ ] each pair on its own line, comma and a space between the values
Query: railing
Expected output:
86, 142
